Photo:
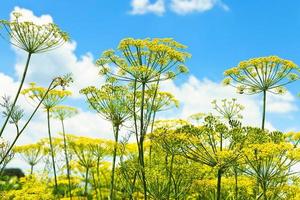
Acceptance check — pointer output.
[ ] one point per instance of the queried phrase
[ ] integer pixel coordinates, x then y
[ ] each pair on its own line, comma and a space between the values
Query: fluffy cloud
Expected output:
281, 103
196, 96
181, 7
140, 7
28, 15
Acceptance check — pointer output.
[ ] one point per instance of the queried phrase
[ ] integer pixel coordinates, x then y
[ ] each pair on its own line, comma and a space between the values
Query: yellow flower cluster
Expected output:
259, 63
262, 74
268, 149
50, 97
145, 60
32, 37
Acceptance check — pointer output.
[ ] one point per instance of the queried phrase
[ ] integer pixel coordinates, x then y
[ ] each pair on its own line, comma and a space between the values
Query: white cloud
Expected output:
183, 7
140, 7
196, 95
281, 103
27, 15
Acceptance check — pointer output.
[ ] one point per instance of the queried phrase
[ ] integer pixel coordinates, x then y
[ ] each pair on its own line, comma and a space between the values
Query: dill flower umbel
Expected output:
31, 37
262, 75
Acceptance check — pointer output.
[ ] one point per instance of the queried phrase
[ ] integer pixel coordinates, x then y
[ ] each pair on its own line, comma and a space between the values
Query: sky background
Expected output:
219, 34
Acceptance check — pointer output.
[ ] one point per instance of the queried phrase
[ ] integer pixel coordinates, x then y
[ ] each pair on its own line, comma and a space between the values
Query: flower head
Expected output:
32, 37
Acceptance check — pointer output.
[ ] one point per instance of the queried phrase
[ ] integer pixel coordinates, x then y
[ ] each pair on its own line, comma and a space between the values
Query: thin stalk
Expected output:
98, 176
236, 184
86, 181
264, 191
51, 149
67, 158
31, 169
17, 95
141, 145
264, 110
219, 184
114, 163
170, 175
150, 148
95, 186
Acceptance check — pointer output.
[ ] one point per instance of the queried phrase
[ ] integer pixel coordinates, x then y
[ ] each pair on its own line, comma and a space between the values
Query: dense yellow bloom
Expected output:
268, 149
33, 188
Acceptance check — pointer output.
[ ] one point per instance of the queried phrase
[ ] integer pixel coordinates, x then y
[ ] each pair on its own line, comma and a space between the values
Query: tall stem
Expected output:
31, 169
170, 175
86, 181
264, 191
236, 184
51, 149
152, 127
219, 184
141, 145
95, 185
17, 95
114, 162
98, 176
67, 158
264, 110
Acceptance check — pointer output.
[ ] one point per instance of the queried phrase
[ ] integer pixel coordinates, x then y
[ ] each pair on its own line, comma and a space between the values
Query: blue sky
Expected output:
218, 37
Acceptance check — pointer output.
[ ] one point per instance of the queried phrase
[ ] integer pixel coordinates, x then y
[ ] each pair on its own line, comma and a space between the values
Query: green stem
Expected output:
236, 184
219, 184
170, 175
114, 163
31, 169
51, 149
264, 110
86, 181
150, 148
141, 145
67, 158
17, 95
265, 192
95, 185
98, 176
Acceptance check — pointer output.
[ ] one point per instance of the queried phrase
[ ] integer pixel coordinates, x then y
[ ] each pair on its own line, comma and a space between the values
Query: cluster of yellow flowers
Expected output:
50, 97
244, 183
145, 60
262, 63
34, 38
262, 74
268, 149
33, 188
